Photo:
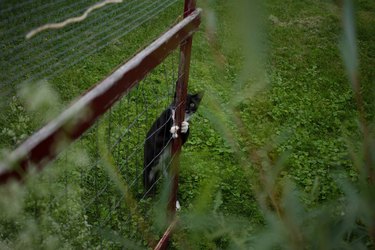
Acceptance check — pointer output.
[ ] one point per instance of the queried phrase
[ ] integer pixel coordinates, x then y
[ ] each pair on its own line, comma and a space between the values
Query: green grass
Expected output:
308, 99
305, 112
76, 78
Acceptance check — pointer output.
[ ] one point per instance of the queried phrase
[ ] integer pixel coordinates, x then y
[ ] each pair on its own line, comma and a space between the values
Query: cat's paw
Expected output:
174, 130
184, 127
178, 207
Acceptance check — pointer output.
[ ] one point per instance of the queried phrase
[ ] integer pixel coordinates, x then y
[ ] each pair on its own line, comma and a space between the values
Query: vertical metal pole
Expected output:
181, 92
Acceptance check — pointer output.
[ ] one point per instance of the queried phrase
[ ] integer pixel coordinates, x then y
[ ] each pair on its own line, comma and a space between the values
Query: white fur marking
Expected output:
174, 128
173, 115
178, 207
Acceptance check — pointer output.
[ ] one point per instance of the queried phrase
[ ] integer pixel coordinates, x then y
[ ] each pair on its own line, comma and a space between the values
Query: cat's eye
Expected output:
192, 105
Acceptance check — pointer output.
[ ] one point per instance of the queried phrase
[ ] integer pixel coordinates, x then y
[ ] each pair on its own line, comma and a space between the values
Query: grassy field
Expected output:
304, 105
270, 147
295, 115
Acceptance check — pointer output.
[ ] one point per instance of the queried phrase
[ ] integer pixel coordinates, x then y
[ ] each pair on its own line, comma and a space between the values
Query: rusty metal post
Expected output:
181, 93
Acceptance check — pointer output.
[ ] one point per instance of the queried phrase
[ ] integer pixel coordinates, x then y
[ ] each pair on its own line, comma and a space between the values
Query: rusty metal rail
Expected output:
44, 145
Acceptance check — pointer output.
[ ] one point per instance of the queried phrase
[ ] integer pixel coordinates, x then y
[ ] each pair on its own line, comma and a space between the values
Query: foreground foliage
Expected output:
280, 155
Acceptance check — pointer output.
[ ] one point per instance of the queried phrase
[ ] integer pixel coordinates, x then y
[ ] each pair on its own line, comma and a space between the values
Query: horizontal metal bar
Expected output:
44, 145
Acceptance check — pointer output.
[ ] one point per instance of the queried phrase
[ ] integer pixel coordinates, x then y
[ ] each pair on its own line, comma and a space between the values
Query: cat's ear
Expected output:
198, 96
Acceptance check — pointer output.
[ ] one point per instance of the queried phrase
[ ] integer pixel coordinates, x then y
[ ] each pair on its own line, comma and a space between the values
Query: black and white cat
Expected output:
157, 148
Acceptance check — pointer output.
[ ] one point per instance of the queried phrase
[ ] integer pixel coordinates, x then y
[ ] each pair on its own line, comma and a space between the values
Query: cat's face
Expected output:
192, 103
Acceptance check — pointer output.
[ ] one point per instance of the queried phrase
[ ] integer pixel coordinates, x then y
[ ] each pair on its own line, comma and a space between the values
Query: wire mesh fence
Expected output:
125, 143
92, 195
77, 55
81, 193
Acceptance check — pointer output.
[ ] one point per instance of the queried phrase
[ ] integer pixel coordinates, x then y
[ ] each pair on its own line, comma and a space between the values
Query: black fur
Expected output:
159, 137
